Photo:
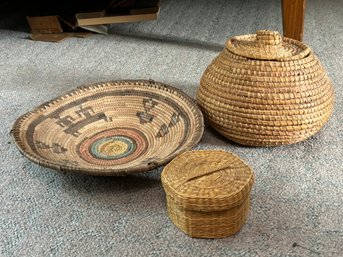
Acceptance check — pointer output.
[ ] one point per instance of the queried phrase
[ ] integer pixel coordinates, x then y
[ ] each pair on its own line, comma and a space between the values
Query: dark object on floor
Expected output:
55, 25
53, 29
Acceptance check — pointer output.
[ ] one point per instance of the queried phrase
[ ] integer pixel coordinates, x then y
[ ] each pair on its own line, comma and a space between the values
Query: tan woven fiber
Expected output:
110, 128
208, 192
265, 90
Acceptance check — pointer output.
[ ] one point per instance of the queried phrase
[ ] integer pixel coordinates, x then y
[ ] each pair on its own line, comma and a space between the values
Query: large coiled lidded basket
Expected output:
265, 90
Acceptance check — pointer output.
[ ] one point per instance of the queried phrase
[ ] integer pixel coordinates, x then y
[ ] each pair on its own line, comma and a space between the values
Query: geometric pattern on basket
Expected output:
110, 128
264, 90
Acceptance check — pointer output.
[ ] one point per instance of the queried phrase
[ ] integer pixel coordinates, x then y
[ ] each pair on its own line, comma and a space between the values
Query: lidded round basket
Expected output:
208, 192
265, 90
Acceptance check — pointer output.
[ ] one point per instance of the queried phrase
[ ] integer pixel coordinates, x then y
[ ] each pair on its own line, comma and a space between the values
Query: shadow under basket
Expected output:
208, 193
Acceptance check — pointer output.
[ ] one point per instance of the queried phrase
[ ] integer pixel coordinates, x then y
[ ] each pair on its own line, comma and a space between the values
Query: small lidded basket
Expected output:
208, 192
266, 90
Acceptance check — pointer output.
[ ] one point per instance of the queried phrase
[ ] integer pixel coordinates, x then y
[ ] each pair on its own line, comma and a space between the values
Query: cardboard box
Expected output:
85, 19
121, 11
53, 29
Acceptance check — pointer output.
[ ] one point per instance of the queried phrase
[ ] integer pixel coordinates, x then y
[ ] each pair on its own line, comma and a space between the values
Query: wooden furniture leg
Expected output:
293, 14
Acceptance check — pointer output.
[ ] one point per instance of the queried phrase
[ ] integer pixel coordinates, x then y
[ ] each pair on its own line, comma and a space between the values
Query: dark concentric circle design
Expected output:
113, 147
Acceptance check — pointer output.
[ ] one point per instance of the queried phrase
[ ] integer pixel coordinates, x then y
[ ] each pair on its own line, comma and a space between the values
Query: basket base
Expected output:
262, 142
216, 224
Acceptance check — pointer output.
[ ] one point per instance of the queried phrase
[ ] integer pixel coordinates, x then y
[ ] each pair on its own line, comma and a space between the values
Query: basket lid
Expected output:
207, 180
267, 45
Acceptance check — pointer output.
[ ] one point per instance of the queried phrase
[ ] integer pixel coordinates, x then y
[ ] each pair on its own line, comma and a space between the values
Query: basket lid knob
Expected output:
267, 45
268, 37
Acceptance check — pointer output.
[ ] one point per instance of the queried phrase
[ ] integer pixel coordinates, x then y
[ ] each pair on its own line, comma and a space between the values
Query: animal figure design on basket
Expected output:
56, 148
86, 118
110, 128
164, 130
146, 117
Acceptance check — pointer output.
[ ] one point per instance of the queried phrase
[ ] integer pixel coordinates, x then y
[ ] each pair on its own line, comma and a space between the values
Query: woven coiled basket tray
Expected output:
110, 128
208, 192
265, 90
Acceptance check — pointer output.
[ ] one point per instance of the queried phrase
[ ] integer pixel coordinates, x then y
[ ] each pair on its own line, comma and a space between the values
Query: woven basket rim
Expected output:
196, 137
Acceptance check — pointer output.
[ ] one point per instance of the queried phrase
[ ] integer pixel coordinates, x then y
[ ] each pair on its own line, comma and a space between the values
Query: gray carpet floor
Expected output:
297, 199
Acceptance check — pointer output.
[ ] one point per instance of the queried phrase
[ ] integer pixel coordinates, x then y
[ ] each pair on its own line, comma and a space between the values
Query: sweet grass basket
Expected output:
265, 90
208, 193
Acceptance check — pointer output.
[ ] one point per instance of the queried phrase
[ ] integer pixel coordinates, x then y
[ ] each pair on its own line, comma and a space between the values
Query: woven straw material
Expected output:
258, 93
208, 193
110, 128
267, 45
